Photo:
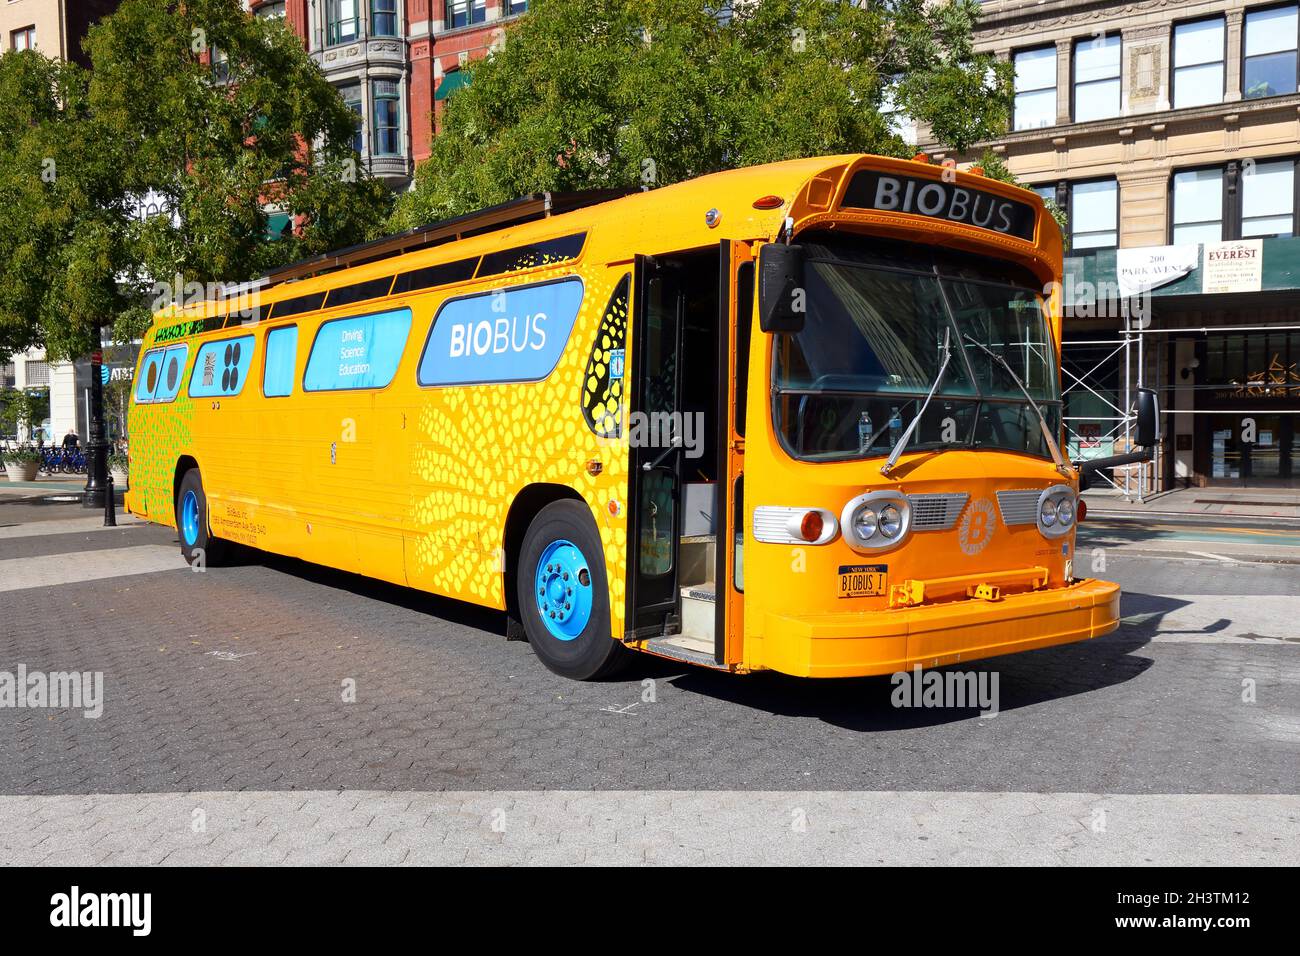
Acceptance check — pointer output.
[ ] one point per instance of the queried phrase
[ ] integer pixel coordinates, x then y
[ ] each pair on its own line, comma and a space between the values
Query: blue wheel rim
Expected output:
562, 590
190, 518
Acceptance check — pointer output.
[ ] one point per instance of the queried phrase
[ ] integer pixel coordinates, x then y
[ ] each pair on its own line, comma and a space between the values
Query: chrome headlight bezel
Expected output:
877, 501
1056, 495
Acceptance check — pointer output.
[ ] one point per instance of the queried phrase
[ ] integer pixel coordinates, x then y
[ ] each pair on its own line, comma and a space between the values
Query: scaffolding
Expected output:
1124, 356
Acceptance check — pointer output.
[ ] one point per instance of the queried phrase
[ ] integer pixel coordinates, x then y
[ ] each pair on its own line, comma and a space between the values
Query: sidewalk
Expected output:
1198, 502
45, 485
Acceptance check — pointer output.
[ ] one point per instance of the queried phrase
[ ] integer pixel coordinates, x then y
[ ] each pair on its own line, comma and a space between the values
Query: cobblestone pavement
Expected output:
226, 690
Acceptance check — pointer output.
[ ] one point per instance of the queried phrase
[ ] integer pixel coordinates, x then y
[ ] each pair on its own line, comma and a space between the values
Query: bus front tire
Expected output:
564, 596
197, 545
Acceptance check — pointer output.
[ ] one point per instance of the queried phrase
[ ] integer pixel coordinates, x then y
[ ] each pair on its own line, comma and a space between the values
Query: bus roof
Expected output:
690, 214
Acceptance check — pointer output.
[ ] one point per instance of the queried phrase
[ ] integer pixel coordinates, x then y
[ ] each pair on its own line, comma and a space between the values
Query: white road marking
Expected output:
654, 826
91, 522
74, 567
1216, 557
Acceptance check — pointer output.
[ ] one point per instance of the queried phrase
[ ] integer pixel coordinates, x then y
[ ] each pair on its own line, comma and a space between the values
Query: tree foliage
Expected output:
618, 93
63, 222
197, 106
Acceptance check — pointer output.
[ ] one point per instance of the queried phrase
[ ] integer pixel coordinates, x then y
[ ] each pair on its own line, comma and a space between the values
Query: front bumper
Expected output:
859, 644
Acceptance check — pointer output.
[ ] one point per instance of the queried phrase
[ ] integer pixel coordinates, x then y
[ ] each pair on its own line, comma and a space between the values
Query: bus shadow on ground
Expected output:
491, 622
868, 704
875, 704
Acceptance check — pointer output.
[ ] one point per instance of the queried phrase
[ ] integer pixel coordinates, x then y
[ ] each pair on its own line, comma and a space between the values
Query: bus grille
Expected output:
1019, 506
936, 512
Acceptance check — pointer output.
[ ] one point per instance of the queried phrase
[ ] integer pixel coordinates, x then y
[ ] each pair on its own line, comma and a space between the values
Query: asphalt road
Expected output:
235, 679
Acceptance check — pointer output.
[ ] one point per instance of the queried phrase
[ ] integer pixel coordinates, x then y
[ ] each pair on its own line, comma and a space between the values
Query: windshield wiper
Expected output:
1061, 465
888, 466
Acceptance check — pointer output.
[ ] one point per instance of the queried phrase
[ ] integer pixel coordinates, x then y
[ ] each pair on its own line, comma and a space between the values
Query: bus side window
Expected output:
170, 373
361, 351
150, 373
281, 358
221, 368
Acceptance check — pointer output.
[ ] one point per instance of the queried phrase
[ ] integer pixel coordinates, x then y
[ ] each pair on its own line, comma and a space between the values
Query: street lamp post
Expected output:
97, 443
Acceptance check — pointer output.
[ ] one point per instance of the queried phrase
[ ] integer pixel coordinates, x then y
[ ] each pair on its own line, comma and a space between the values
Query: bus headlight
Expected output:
891, 521
1047, 514
865, 523
1056, 511
1065, 511
876, 520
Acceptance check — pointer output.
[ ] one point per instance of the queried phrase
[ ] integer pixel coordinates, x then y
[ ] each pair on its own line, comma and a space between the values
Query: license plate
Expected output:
863, 580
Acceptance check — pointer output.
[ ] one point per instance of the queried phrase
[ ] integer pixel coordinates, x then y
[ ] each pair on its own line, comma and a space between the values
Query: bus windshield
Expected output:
850, 382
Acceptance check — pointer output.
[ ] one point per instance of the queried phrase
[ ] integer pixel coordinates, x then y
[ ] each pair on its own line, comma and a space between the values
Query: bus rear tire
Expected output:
564, 596
197, 545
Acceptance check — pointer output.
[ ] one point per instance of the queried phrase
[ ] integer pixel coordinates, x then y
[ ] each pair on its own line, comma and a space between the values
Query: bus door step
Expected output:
684, 647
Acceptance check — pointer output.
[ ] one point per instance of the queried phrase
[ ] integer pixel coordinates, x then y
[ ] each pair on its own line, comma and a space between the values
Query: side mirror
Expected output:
781, 305
1148, 418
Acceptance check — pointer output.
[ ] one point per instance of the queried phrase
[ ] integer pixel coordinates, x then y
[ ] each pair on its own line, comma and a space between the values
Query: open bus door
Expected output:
692, 312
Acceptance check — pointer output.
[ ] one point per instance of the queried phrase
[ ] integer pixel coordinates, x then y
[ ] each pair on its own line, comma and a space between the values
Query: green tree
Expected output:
63, 215
621, 93
208, 111
222, 113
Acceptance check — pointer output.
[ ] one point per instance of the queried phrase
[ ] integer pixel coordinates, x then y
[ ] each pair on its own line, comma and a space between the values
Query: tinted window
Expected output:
506, 335
360, 291
535, 254
221, 368
310, 302
281, 355
432, 276
361, 352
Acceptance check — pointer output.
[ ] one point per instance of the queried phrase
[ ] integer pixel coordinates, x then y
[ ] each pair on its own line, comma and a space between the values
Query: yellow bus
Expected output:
801, 417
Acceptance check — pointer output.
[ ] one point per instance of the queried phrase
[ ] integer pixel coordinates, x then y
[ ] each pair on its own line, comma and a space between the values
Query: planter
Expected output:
22, 470
120, 479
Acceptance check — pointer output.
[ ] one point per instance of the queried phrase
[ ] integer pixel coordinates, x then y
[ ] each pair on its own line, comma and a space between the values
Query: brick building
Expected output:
395, 62
1169, 131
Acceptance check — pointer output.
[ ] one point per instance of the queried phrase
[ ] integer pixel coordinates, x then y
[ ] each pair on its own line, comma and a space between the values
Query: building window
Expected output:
1035, 88
352, 97
1268, 199
1198, 62
461, 13
514, 7
1198, 206
1094, 215
388, 118
1096, 78
279, 225
1269, 68
37, 373
383, 18
24, 39
271, 11
342, 24
220, 65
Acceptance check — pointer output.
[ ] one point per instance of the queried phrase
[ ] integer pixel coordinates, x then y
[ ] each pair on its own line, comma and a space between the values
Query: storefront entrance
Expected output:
1273, 458
1248, 407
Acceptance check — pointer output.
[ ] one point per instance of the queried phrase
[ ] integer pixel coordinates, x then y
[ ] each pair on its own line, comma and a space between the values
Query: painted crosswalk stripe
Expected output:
17, 574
